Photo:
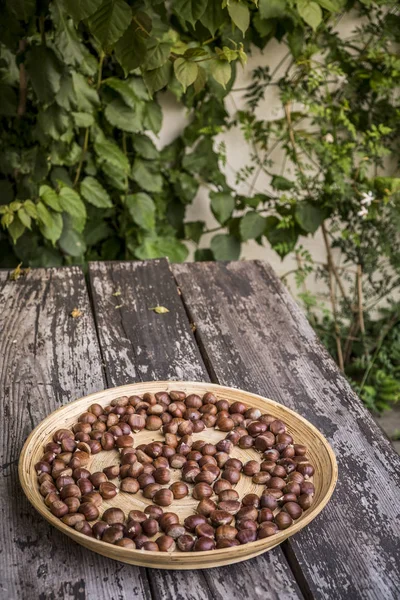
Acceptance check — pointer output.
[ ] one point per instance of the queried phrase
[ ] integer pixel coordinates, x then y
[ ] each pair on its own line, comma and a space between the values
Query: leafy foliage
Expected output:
81, 177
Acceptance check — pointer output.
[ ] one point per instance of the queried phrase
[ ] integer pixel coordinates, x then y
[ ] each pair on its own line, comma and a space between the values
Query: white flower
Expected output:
329, 138
367, 199
363, 212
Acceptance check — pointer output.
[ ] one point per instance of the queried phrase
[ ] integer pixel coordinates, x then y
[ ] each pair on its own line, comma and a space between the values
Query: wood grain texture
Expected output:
47, 359
255, 337
138, 344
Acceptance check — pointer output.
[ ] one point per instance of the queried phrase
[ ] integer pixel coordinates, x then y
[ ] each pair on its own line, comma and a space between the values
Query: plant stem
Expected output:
337, 329
100, 70
84, 149
42, 31
391, 324
331, 264
359, 296
141, 26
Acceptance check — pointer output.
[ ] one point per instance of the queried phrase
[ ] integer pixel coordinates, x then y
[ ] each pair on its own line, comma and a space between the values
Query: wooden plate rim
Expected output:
253, 548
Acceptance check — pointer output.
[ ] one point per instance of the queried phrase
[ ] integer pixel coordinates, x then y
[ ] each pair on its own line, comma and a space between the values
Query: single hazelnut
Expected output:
247, 512
226, 495
267, 529
185, 542
206, 507
112, 472
72, 519
150, 546
202, 490
111, 516
89, 510
221, 485
84, 527
261, 478
305, 501
221, 517
276, 482
162, 475
166, 543
108, 490
163, 497
112, 535
150, 527
251, 500
230, 506
59, 508
246, 524
226, 543
244, 536
192, 521
179, 489
150, 490
265, 514
175, 530
70, 490
155, 512
205, 530
92, 497
168, 519
125, 543
52, 497
231, 475
251, 468
202, 544
99, 528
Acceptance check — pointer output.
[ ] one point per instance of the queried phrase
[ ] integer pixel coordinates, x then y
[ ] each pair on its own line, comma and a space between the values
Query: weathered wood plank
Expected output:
256, 337
48, 358
140, 345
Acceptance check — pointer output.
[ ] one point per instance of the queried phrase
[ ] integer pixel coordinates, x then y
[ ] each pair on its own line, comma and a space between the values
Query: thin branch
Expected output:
84, 149
360, 302
334, 312
331, 263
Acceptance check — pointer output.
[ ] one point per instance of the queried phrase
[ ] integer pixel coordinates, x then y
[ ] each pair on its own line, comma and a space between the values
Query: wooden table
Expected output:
232, 324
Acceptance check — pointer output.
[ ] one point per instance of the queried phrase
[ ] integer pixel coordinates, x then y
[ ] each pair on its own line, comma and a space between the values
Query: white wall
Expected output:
238, 153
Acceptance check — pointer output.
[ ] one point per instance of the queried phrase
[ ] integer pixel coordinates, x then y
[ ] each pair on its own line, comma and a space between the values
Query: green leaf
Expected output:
8, 101
190, 10
54, 121
309, 216
119, 115
194, 230
282, 240
115, 176
110, 21
24, 218
44, 215
310, 12
71, 242
22, 10
240, 15
16, 229
44, 70
72, 50
221, 71
131, 48
96, 231
203, 254
50, 198
213, 17
222, 205
185, 72
157, 247
72, 204
152, 116
94, 193
252, 225
81, 9
83, 119
296, 41
156, 79
186, 187
281, 183
52, 231
225, 247
124, 89
157, 53
331, 5
107, 151
272, 9
30, 209
142, 210
86, 97
147, 175
145, 147
66, 97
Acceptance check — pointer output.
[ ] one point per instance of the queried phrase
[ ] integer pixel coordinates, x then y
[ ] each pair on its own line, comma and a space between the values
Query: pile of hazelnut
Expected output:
208, 473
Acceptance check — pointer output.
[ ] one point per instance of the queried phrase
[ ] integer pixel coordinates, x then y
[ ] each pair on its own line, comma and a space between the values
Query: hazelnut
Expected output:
70, 490
276, 482
267, 529
162, 475
205, 530
261, 478
163, 498
125, 543
141, 540
84, 528
175, 530
112, 535
202, 490
251, 468
150, 546
150, 490
255, 428
225, 424
193, 521
268, 501
107, 490
221, 485
202, 544
206, 507
59, 508
72, 519
305, 501
92, 497
265, 514
177, 461
150, 527
97, 478
89, 510
47, 487
166, 543
277, 427
293, 509
145, 479
225, 543
179, 490
85, 485
167, 519
244, 536
265, 441
137, 422
226, 495
112, 472
247, 512
98, 529
288, 498
283, 520
185, 542
251, 500
221, 517
246, 524
226, 532
231, 475
230, 506
52, 497
155, 512
113, 515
